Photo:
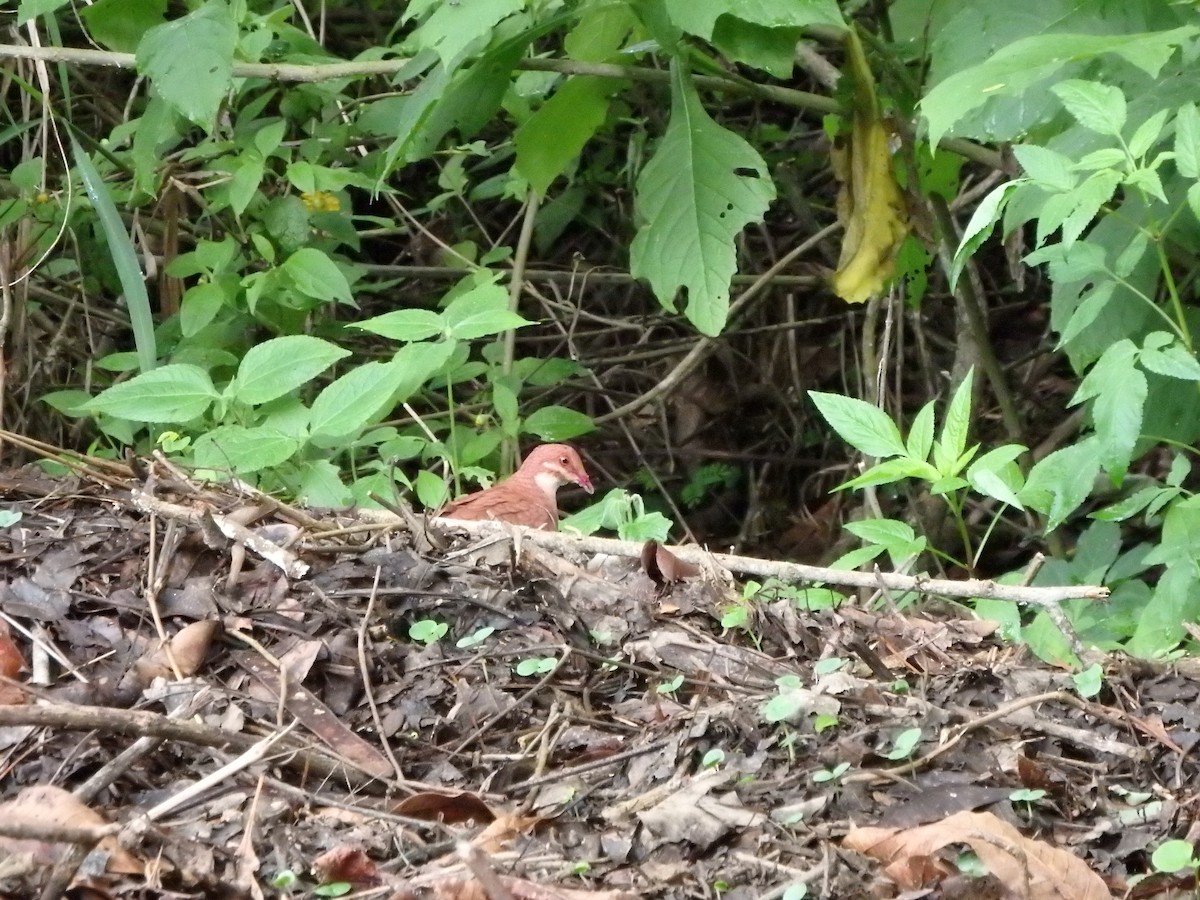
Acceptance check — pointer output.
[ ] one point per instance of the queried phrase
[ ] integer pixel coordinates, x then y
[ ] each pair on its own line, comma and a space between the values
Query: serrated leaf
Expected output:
174, 393
980, 226
955, 428
452, 27
1173, 362
199, 306
349, 404
481, 312
1104, 158
1013, 68
703, 185
557, 423
864, 427
699, 17
1187, 141
190, 60
1147, 134
1060, 482
1117, 414
889, 472
404, 324
1090, 306
882, 531
316, 275
991, 484
1046, 167
242, 450
1100, 107
920, 435
278, 366
1193, 199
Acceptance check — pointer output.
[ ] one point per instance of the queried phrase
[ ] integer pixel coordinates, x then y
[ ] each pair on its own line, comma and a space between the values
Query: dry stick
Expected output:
520, 701
482, 870
706, 346
793, 572
365, 671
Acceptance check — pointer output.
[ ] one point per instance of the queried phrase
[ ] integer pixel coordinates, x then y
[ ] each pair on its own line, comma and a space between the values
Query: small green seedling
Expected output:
904, 744
834, 774
475, 638
670, 687
428, 631
1174, 856
713, 759
542, 665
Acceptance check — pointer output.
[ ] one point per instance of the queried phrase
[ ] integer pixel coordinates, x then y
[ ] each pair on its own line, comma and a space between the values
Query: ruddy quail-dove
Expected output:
529, 496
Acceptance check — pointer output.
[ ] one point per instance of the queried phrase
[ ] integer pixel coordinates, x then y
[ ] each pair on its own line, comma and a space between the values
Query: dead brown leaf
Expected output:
1031, 869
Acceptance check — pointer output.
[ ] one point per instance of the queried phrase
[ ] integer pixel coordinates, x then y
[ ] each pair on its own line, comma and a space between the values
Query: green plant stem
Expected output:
1173, 292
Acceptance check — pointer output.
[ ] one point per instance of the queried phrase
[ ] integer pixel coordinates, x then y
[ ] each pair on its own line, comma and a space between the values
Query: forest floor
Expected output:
579, 729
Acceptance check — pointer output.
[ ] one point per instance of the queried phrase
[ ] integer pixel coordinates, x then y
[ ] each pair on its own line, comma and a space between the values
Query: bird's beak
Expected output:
586, 483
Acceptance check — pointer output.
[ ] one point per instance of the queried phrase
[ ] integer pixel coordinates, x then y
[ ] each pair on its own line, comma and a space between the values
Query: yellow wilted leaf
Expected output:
870, 205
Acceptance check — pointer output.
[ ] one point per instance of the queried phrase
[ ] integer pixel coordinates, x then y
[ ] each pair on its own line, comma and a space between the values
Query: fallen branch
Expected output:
790, 572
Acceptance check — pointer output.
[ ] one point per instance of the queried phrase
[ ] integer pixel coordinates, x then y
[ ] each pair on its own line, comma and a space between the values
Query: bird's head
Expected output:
552, 465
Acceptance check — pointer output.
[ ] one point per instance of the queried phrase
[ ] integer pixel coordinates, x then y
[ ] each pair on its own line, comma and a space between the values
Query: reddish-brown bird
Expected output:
530, 496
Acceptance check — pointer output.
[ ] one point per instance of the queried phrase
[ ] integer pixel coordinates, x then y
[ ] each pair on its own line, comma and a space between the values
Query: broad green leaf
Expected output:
190, 60
431, 490
280, 365
646, 527
1187, 141
452, 27
1047, 167
1090, 306
1100, 107
1174, 362
1180, 542
773, 50
174, 393
419, 362
1117, 415
120, 248
1088, 198
316, 275
1131, 255
200, 305
120, 24
349, 404
1115, 362
882, 531
702, 186
1021, 64
557, 423
481, 312
1104, 158
1060, 482
319, 483
404, 324
1193, 199
241, 450
864, 427
992, 484
553, 137
1174, 601
504, 401
699, 17
30, 9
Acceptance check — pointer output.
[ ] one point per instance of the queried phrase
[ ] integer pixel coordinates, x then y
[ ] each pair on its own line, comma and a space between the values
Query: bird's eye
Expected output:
562, 461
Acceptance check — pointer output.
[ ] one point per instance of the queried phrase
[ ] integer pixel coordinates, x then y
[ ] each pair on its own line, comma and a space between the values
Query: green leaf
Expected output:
1060, 482
1012, 69
351, 402
316, 275
557, 423
1173, 362
1147, 134
1187, 141
419, 362
864, 427
30, 9
200, 305
481, 312
241, 450
1100, 107
173, 393
700, 17
452, 27
120, 24
1160, 621
920, 435
950, 447
703, 185
280, 365
404, 324
1090, 306
120, 248
190, 60
890, 471
979, 227
882, 531
1046, 167
553, 137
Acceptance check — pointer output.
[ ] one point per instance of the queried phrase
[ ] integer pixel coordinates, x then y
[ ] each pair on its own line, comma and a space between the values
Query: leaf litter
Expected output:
209, 695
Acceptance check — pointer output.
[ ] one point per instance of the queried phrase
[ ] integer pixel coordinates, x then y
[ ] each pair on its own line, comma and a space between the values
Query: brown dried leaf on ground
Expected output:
45, 806
346, 863
1032, 869
188, 648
